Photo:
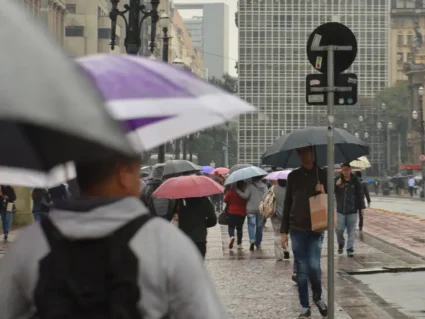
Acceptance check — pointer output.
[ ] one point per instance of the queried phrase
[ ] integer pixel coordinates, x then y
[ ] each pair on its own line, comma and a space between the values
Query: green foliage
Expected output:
227, 82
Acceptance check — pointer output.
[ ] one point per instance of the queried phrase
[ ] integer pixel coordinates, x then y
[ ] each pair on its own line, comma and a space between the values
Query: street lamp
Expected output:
357, 135
345, 126
164, 22
379, 125
133, 25
361, 118
366, 135
420, 115
383, 106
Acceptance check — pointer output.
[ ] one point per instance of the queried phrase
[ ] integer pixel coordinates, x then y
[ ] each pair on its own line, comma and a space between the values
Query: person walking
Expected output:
279, 191
236, 213
411, 183
7, 197
366, 194
302, 184
41, 204
195, 216
118, 259
254, 194
349, 199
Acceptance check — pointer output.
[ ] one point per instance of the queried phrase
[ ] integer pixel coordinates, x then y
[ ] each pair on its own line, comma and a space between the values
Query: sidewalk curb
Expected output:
383, 211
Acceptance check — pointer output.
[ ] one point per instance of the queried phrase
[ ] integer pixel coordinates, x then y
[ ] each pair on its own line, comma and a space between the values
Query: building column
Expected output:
23, 203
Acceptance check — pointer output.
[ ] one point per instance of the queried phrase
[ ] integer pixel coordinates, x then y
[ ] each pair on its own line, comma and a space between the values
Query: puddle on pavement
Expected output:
404, 291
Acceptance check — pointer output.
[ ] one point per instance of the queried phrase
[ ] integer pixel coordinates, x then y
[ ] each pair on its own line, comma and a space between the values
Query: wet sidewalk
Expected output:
254, 285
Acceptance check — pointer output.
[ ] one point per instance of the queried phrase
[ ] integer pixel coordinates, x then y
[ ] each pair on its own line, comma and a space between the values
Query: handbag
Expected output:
223, 217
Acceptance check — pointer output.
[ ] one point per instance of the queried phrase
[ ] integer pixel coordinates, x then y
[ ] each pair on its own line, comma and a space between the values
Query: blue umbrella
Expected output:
207, 169
245, 173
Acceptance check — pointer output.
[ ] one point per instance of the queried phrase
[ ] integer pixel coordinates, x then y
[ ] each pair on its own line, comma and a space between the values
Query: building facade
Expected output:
195, 27
272, 63
53, 14
215, 34
88, 28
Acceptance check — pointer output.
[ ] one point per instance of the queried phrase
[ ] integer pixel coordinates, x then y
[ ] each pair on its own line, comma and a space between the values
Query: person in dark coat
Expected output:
58, 193
195, 216
7, 197
41, 204
365, 190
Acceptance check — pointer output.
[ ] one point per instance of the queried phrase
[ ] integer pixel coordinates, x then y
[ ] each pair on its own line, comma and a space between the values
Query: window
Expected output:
400, 57
409, 57
71, 8
74, 31
409, 39
104, 33
400, 40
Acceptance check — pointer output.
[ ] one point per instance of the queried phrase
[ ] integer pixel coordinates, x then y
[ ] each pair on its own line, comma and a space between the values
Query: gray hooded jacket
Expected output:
172, 281
254, 194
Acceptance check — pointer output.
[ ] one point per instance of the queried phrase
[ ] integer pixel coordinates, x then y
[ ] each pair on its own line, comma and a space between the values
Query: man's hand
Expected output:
5, 196
284, 241
320, 188
338, 182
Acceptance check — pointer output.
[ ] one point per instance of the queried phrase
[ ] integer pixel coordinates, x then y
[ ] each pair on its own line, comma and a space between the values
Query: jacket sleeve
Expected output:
12, 195
284, 226
366, 192
246, 194
226, 197
210, 214
359, 195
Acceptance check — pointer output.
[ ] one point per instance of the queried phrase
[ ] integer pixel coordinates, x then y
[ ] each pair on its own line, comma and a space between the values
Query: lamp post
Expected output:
356, 135
389, 128
366, 135
345, 126
192, 137
137, 13
415, 116
164, 21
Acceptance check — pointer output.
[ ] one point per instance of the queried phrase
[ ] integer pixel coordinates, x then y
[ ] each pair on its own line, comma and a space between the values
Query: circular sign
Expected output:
332, 33
422, 158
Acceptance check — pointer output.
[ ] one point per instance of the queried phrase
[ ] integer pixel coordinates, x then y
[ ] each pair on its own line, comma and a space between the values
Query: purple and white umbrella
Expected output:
158, 102
274, 176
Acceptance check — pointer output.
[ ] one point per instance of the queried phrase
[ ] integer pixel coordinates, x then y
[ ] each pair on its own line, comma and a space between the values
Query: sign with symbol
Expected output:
422, 158
346, 88
332, 33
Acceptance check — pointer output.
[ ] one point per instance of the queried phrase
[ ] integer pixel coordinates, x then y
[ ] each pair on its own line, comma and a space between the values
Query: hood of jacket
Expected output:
256, 190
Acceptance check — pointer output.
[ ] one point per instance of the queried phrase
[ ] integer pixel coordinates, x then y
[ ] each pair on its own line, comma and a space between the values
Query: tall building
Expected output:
273, 63
407, 33
88, 28
215, 34
53, 15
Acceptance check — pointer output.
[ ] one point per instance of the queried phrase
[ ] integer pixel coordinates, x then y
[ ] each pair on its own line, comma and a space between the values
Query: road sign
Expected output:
345, 89
332, 33
422, 158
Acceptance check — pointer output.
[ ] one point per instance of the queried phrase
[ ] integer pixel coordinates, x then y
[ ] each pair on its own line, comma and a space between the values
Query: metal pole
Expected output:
388, 151
132, 41
399, 147
331, 184
422, 146
226, 151
161, 149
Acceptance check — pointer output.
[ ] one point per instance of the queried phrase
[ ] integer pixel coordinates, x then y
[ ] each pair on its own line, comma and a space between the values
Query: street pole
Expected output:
330, 181
226, 151
421, 112
190, 147
388, 151
399, 147
161, 149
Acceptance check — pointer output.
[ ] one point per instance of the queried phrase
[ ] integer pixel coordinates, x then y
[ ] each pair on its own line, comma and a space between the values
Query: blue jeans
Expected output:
348, 222
255, 228
39, 216
307, 248
6, 220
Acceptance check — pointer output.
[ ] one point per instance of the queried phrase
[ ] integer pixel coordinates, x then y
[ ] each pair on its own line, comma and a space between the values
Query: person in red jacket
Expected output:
236, 213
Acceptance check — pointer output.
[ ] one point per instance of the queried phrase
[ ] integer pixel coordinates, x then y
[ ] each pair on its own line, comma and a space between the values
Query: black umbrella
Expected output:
283, 152
175, 168
238, 167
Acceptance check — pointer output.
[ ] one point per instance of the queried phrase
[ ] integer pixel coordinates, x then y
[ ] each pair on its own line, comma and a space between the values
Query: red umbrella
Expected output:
220, 170
188, 186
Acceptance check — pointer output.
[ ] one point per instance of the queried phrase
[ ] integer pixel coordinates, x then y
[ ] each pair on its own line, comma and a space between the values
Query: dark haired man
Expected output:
349, 199
155, 273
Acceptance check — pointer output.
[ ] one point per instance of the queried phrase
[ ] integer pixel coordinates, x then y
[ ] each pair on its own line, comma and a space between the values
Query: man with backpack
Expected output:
104, 256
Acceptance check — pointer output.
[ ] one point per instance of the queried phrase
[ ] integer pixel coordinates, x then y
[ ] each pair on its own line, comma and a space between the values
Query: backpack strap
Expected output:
126, 232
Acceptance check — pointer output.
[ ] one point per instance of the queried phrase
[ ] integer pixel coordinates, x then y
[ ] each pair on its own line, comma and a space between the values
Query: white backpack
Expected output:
268, 204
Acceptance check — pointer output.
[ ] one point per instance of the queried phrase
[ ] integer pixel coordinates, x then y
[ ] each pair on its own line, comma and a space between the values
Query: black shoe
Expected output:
286, 255
251, 247
294, 277
350, 253
323, 309
305, 313
340, 249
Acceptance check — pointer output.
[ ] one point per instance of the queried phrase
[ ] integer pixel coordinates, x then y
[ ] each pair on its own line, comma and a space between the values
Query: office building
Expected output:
210, 33
273, 64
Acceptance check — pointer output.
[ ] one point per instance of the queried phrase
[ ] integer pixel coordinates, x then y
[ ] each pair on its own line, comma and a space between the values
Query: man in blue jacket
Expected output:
349, 199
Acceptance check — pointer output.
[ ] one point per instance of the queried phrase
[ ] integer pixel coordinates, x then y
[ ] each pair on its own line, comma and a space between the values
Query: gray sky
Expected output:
233, 30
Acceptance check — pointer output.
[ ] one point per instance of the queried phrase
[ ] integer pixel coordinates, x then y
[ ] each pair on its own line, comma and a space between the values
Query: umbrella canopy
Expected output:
175, 168
361, 163
206, 169
187, 187
221, 171
159, 102
157, 171
50, 113
238, 167
274, 176
283, 152
245, 173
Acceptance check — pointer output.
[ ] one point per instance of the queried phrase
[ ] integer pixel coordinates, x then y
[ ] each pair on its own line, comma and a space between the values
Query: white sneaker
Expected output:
240, 247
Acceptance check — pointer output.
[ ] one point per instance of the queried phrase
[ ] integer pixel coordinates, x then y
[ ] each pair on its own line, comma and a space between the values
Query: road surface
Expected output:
404, 205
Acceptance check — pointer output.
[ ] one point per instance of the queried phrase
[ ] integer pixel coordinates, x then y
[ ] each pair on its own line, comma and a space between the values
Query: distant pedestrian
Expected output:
236, 213
59, 193
411, 183
7, 198
376, 183
254, 194
349, 199
366, 194
41, 204
303, 183
195, 216
217, 199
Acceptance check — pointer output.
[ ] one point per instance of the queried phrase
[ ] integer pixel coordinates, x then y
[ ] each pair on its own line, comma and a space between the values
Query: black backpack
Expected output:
90, 278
